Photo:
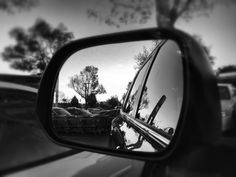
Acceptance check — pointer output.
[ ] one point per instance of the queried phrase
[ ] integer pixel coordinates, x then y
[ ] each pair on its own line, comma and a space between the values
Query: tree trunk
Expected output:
164, 22
164, 14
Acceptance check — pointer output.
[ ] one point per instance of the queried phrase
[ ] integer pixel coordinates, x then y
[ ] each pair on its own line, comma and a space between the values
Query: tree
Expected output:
142, 56
74, 102
167, 12
11, 6
86, 83
113, 101
127, 88
35, 46
92, 100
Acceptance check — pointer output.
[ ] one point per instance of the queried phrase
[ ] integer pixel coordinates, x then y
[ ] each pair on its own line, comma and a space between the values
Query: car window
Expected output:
22, 140
164, 86
133, 96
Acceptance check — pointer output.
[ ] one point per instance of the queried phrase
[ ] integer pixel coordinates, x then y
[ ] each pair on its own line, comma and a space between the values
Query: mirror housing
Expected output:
200, 97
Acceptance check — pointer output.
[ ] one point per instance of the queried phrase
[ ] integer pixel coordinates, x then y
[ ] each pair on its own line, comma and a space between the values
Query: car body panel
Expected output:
85, 164
66, 163
136, 132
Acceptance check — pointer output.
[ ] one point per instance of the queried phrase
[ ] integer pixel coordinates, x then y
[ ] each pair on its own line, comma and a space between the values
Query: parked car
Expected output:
79, 112
61, 119
228, 107
25, 150
61, 113
22, 141
109, 113
95, 110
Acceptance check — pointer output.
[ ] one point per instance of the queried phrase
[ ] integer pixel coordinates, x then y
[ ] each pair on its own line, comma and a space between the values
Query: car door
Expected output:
145, 124
26, 151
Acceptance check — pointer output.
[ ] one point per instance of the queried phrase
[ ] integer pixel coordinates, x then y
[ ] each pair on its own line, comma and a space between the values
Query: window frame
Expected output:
138, 124
147, 76
151, 58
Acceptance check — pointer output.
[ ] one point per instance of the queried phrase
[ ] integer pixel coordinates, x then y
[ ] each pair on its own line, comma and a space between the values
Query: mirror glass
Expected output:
125, 96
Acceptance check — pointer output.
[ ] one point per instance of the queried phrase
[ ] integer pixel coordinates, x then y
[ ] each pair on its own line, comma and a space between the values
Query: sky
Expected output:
218, 30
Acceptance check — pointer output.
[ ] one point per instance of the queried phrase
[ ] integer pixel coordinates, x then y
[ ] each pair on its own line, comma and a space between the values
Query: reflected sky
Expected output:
115, 63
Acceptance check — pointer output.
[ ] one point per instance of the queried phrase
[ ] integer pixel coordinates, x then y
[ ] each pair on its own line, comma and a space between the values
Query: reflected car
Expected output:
228, 107
143, 124
61, 119
95, 110
79, 112
109, 113
60, 112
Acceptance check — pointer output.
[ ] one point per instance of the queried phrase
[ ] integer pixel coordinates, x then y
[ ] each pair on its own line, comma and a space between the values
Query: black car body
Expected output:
131, 131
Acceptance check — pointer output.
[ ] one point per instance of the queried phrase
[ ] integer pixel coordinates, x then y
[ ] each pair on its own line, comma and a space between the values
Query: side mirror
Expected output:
99, 74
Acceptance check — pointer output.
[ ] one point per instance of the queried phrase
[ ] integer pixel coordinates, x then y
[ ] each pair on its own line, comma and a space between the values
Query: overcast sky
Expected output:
218, 30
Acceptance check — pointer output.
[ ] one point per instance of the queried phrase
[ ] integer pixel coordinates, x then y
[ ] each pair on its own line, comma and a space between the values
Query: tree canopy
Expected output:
166, 12
86, 84
35, 46
11, 6
74, 102
113, 101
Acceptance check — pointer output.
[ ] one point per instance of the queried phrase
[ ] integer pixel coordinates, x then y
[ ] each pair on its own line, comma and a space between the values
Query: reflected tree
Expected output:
144, 100
74, 102
92, 100
141, 57
127, 89
113, 101
86, 83
35, 46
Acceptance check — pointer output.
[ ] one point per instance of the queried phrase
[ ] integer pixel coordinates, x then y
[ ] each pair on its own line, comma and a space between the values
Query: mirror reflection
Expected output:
125, 96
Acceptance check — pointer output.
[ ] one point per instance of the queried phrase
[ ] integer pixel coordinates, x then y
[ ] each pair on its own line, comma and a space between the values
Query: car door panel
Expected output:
85, 164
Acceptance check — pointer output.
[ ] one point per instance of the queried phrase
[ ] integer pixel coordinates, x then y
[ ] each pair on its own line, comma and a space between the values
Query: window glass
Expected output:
21, 138
164, 86
133, 97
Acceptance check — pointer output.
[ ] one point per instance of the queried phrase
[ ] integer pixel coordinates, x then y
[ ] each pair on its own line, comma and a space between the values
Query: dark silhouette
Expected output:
74, 102
113, 102
92, 100
35, 46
